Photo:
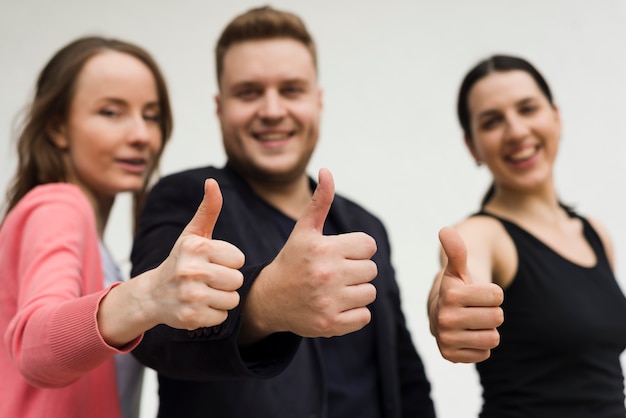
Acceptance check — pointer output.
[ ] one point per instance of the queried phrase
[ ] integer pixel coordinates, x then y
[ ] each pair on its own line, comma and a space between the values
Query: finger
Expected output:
203, 221
456, 252
465, 355
472, 319
226, 254
484, 339
222, 278
355, 272
357, 296
354, 245
474, 295
315, 213
353, 320
223, 301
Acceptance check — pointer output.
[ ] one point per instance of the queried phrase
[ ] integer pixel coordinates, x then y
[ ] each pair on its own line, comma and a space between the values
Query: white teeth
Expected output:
523, 154
273, 137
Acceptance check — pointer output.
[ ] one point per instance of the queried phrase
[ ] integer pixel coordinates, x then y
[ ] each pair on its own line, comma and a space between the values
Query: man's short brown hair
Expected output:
258, 24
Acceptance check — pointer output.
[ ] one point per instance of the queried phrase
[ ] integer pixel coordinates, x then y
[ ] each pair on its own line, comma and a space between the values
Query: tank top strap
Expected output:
593, 238
491, 215
590, 234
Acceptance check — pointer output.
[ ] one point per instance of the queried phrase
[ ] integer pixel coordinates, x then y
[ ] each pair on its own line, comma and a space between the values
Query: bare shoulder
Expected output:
491, 252
480, 230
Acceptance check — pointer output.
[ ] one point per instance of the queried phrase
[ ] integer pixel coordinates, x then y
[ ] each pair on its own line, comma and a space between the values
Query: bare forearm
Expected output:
124, 314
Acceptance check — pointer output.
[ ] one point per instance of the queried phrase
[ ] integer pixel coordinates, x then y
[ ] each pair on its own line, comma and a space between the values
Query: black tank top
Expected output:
563, 332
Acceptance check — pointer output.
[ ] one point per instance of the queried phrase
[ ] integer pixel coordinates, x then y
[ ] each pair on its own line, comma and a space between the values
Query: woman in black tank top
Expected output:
527, 289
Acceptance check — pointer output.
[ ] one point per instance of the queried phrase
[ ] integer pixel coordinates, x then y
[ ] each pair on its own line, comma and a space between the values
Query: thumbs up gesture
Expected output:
317, 286
196, 285
463, 315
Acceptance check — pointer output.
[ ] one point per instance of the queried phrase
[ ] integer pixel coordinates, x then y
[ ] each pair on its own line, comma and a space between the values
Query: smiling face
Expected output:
112, 134
515, 130
269, 108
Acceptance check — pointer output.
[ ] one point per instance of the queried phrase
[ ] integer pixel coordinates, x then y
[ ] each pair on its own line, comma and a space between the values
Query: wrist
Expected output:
256, 312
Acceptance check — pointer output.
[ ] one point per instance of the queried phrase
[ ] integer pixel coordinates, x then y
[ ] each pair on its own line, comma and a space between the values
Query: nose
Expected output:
139, 132
516, 128
272, 106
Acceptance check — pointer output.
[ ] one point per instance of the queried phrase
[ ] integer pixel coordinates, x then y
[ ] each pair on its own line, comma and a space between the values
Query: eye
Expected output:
528, 109
490, 123
248, 94
109, 112
152, 117
292, 91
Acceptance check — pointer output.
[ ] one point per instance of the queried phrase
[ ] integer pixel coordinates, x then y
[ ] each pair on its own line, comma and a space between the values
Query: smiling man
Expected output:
318, 282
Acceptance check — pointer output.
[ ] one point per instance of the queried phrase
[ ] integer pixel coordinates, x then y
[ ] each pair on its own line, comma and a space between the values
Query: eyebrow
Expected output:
252, 83
122, 102
491, 112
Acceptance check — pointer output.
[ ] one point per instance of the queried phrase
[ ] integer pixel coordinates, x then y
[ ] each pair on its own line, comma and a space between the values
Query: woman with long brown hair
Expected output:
96, 127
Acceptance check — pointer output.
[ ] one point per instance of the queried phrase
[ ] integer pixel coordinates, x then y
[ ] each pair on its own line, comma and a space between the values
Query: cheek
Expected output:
156, 142
307, 114
236, 116
85, 157
486, 144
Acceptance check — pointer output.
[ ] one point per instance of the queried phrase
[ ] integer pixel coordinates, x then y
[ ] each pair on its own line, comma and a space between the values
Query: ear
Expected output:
57, 132
557, 113
218, 105
471, 148
320, 94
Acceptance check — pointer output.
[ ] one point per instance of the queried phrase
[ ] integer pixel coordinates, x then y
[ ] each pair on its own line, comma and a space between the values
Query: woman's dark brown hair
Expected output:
495, 63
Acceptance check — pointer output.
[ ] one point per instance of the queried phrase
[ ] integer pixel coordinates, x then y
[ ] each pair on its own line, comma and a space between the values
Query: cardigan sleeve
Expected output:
53, 263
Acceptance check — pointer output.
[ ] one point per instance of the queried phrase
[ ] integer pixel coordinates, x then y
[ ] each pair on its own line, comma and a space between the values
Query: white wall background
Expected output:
390, 71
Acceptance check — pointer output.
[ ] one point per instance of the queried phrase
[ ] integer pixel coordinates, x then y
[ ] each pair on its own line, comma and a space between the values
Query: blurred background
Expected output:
390, 72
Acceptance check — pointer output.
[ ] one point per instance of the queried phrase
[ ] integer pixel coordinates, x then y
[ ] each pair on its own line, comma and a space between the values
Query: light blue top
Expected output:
129, 370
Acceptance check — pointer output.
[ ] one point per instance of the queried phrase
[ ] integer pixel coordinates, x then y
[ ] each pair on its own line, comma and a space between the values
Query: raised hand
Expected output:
317, 286
194, 287
198, 281
464, 315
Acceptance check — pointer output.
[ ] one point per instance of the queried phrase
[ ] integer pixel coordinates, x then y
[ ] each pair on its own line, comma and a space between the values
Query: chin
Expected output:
131, 187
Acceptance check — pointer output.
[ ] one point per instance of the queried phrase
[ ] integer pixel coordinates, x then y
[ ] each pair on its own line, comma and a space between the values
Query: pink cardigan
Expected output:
54, 362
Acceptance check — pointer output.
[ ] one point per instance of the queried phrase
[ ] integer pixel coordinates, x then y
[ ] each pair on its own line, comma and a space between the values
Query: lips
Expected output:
272, 136
133, 165
522, 155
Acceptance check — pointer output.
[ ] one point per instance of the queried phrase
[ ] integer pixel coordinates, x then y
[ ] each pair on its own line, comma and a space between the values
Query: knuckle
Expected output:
373, 292
493, 340
373, 270
187, 317
217, 317
368, 243
320, 248
233, 300
324, 326
187, 295
445, 340
497, 294
449, 297
498, 317
446, 320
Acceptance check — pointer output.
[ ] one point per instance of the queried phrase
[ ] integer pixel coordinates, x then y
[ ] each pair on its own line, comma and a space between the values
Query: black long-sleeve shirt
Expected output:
313, 381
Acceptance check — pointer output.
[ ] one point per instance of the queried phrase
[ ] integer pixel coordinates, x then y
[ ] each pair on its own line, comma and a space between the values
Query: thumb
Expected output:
204, 220
456, 252
315, 213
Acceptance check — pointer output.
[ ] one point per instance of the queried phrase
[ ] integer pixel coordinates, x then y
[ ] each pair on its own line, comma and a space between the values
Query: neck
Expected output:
290, 198
102, 209
541, 205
